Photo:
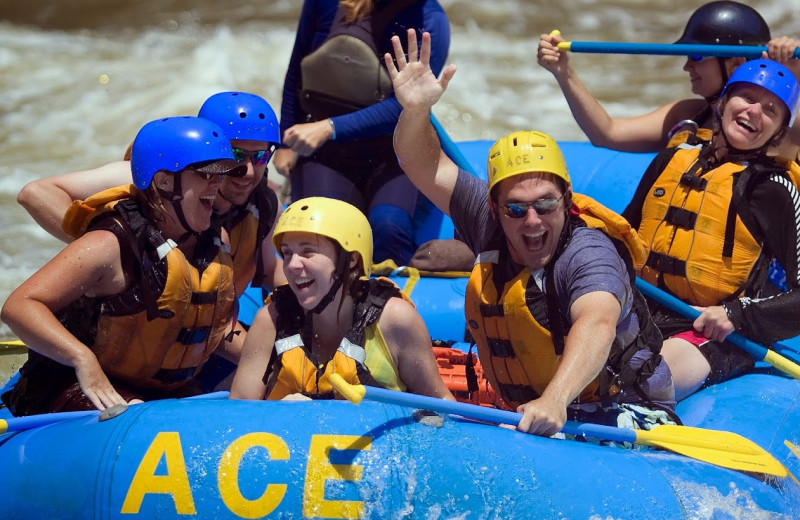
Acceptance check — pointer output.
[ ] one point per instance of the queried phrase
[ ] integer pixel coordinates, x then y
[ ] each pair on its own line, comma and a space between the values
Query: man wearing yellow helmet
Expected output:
331, 317
560, 329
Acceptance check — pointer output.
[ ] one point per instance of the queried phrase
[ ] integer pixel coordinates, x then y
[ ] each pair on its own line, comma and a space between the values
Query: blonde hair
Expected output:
357, 9
151, 202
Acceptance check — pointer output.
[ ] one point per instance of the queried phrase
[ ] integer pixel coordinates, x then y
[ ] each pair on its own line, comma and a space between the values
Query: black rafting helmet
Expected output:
726, 23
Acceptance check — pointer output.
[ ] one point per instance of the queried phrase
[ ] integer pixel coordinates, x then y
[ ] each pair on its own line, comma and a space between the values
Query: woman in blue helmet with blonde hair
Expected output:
713, 215
149, 292
331, 317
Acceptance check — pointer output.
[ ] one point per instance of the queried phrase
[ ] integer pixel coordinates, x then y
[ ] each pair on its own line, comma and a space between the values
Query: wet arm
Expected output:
594, 316
48, 198
248, 382
93, 262
410, 346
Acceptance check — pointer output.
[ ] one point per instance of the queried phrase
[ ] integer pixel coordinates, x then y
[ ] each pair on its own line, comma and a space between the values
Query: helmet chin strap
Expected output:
739, 154
175, 197
339, 274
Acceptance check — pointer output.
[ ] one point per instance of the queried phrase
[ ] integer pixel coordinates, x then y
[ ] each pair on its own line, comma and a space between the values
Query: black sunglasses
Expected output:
543, 206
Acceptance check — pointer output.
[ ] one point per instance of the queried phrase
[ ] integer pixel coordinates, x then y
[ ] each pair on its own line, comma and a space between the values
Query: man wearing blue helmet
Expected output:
148, 294
713, 216
247, 206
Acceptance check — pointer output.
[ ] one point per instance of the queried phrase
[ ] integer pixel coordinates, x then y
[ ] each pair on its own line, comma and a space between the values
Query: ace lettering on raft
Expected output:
319, 469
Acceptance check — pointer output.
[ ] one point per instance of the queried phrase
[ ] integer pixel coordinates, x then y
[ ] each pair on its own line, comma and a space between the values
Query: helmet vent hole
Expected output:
304, 208
515, 141
242, 115
261, 115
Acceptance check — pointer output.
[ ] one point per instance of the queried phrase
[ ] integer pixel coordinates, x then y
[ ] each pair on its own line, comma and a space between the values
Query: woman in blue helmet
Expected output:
136, 304
713, 215
246, 206
722, 22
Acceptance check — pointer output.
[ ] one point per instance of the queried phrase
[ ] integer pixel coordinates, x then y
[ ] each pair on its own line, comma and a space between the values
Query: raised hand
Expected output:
415, 85
549, 57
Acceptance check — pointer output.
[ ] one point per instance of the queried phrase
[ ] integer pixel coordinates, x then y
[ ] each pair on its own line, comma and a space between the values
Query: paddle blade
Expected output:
12, 347
725, 449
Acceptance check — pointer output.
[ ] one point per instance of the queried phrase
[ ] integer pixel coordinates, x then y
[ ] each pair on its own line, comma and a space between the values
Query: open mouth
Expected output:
746, 125
207, 202
534, 241
303, 283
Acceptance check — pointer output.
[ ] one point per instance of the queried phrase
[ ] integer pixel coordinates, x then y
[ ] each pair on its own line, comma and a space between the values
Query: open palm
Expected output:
415, 85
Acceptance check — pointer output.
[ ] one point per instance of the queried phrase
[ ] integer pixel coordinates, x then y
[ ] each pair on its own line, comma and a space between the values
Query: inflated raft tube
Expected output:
214, 458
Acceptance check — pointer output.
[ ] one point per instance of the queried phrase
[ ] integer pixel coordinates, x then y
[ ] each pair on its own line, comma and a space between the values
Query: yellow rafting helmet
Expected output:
341, 222
525, 152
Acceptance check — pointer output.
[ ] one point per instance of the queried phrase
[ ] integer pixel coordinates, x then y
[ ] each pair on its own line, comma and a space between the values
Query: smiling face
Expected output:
751, 116
199, 191
237, 190
309, 262
532, 239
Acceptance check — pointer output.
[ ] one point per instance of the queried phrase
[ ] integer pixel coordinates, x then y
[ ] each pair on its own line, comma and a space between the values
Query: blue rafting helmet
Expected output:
771, 76
173, 143
242, 115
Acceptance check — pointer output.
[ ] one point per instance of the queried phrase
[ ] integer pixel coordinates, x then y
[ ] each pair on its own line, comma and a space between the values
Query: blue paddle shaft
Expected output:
450, 148
492, 415
672, 49
18, 424
759, 352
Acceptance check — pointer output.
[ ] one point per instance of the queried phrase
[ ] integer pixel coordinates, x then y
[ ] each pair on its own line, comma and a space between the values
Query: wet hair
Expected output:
151, 202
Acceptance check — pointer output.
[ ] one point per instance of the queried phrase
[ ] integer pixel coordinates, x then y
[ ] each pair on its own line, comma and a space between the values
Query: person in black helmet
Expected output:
715, 23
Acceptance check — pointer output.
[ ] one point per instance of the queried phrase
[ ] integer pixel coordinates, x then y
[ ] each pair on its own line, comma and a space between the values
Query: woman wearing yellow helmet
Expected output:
330, 316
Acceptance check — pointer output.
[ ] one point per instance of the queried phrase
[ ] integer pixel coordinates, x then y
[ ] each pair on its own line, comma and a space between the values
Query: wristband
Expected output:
333, 127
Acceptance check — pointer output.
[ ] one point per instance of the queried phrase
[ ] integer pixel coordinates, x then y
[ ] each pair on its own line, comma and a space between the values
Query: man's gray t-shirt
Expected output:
589, 263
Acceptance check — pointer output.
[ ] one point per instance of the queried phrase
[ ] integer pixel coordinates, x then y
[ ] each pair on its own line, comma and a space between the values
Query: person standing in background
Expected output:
338, 115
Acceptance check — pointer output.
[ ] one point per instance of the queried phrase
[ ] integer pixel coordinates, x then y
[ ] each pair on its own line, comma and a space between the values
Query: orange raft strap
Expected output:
452, 365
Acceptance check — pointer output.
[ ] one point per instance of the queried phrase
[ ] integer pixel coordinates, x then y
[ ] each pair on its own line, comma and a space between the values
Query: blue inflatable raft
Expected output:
213, 458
